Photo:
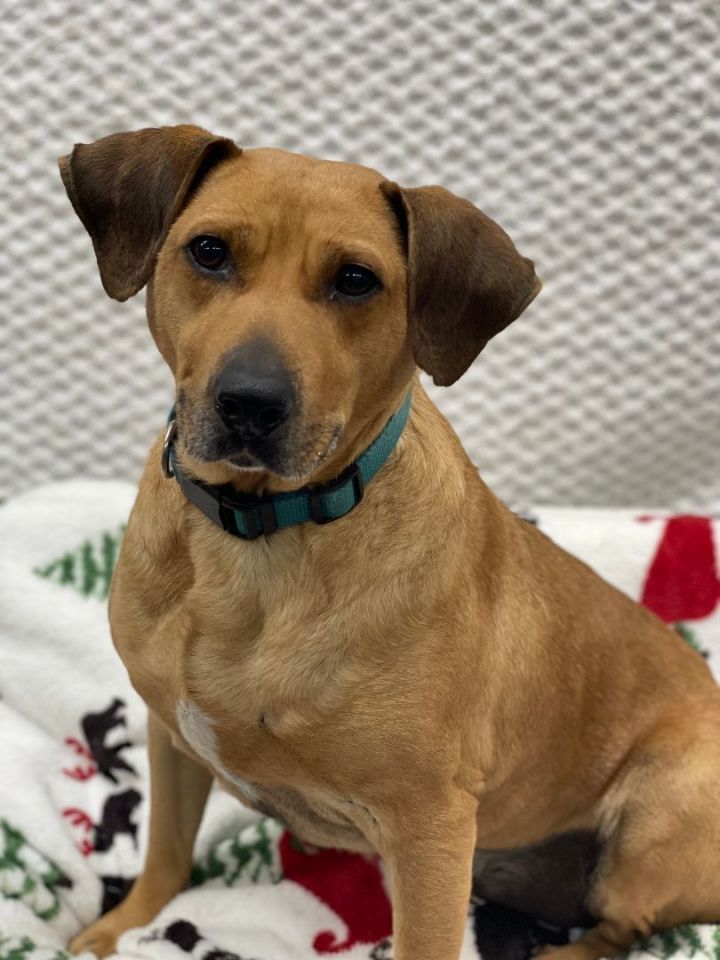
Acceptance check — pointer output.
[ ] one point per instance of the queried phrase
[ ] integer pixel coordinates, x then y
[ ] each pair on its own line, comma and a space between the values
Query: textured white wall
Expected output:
590, 129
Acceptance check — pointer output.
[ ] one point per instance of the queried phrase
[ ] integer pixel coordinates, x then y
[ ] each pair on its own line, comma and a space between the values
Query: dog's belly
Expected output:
311, 821
319, 820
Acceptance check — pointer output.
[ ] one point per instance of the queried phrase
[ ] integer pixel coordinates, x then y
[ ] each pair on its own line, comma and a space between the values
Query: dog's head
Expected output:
291, 297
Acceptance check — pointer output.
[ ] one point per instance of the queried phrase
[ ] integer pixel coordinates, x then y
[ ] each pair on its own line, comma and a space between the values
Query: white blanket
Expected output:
73, 767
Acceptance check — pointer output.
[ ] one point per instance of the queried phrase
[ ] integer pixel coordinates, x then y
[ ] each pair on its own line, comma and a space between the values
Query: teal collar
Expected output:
248, 516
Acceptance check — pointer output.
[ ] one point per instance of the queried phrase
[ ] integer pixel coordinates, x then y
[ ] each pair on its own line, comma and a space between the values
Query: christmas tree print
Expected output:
686, 940
87, 569
688, 636
249, 857
23, 948
26, 875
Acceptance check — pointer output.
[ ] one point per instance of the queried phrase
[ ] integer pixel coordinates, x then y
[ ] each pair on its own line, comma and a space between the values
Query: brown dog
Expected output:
428, 677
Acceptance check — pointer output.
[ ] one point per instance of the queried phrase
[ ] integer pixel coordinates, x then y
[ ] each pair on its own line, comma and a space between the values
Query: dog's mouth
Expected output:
244, 460
293, 453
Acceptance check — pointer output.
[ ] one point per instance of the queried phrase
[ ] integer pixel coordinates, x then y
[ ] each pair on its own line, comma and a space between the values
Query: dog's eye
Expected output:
211, 253
355, 282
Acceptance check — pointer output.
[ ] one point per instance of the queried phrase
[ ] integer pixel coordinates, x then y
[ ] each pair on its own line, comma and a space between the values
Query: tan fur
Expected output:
427, 675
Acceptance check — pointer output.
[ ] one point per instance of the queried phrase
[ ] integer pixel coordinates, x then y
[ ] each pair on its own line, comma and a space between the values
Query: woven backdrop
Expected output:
590, 129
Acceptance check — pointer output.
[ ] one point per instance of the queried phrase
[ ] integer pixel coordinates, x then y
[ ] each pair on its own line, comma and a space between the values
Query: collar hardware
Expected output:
351, 476
258, 515
248, 516
167, 446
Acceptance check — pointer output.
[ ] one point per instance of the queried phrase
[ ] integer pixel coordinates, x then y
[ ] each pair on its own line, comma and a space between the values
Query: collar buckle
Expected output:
350, 475
248, 506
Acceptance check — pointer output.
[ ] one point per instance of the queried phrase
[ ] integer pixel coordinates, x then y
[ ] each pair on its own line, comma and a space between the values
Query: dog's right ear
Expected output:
128, 189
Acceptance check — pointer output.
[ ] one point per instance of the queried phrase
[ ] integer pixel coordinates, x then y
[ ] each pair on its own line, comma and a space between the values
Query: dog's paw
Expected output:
100, 939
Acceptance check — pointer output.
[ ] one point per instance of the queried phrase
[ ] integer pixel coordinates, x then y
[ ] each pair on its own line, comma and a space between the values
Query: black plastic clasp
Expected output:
351, 475
247, 506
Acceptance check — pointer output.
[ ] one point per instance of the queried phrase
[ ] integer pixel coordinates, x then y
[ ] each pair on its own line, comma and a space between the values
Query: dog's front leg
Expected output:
429, 854
178, 792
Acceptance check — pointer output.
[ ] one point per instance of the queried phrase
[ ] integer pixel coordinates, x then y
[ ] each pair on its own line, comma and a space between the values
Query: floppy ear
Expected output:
129, 187
466, 280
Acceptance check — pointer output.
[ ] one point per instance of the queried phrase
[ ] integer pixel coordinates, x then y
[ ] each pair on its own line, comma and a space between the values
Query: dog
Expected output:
326, 609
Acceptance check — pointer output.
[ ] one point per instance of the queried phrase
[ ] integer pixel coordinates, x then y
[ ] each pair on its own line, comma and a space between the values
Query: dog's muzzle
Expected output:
253, 393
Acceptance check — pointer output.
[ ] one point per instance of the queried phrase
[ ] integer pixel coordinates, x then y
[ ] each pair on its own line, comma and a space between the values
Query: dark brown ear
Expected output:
129, 187
466, 280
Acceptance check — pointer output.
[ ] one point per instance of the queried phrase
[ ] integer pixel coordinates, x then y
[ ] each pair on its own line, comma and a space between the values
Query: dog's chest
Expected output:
266, 689
198, 731
318, 814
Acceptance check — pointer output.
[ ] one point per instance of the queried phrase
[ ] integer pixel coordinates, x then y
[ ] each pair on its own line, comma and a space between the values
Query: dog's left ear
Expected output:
466, 280
129, 187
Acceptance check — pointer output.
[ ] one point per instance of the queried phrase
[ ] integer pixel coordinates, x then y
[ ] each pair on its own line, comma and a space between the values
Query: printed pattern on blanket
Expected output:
73, 766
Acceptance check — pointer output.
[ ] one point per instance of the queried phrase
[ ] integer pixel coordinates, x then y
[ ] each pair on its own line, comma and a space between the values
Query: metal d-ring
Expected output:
167, 446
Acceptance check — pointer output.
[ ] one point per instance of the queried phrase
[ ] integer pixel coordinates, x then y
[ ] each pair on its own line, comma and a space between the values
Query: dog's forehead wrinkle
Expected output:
291, 183
296, 162
337, 248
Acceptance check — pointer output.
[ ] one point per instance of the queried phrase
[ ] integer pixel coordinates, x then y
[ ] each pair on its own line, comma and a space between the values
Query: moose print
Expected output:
96, 727
117, 819
186, 936
106, 759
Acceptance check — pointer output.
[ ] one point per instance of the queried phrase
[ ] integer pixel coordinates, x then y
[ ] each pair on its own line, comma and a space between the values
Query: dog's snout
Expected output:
254, 393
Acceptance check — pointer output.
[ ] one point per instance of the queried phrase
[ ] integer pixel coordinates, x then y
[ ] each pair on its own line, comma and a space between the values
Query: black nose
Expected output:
253, 406
254, 394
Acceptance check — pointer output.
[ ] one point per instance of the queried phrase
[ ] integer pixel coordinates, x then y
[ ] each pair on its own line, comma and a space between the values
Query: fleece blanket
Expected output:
73, 768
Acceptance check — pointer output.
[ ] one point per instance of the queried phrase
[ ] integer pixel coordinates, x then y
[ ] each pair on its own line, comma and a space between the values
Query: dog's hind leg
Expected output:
659, 867
179, 788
